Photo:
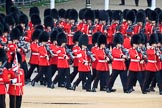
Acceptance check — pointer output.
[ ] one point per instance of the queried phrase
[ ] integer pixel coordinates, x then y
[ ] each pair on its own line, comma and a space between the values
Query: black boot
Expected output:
33, 83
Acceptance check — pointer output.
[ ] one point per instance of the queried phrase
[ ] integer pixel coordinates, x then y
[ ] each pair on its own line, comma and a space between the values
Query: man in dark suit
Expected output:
123, 2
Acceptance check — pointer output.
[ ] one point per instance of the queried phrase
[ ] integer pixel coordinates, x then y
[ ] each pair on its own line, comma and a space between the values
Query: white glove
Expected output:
13, 81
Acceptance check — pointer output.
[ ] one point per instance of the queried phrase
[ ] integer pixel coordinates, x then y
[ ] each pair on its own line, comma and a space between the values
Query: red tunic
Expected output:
62, 58
152, 60
127, 43
102, 64
137, 29
123, 29
83, 65
94, 51
3, 80
134, 62
34, 58
118, 63
20, 82
11, 49
43, 56
76, 50
54, 58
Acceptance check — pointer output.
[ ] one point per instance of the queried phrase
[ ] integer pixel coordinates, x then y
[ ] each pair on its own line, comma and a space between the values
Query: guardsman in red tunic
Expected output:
152, 69
43, 60
83, 65
62, 21
134, 67
3, 78
151, 26
76, 49
139, 27
48, 24
71, 27
96, 20
114, 27
12, 47
53, 55
102, 66
82, 19
63, 62
103, 27
118, 64
89, 27
54, 14
16, 82
34, 57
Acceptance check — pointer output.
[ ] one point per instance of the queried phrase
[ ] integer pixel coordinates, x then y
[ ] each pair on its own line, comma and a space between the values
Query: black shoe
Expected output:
152, 89
129, 91
88, 90
52, 85
70, 88
144, 92
102, 89
108, 90
74, 86
33, 83
61, 85
93, 90
121, 4
125, 90
113, 90
136, 4
147, 90
160, 93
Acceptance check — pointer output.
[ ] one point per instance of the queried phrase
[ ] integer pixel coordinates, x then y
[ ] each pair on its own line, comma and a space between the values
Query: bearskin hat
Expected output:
131, 16
153, 16
23, 19
19, 27
95, 37
36, 34
67, 14
6, 28
160, 17
43, 36
153, 39
34, 11
110, 14
101, 40
125, 11
76, 36
82, 13
89, 15
48, 21
73, 14
143, 38
35, 19
1, 29
118, 39
10, 20
2, 20
117, 15
103, 15
54, 13
62, 13
53, 35
14, 10
40, 27
157, 10
61, 38
141, 17
47, 12
15, 34
83, 40
159, 37
16, 17
3, 56
96, 14
135, 39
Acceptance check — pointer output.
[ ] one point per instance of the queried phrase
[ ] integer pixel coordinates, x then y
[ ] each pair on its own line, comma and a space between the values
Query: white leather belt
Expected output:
102, 61
89, 35
152, 61
118, 59
135, 60
17, 84
42, 56
69, 35
35, 53
60, 57
1, 79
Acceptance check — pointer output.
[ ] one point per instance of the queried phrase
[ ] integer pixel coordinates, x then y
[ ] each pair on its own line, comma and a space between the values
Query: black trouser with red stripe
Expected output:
2, 101
123, 77
149, 77
132, 77
73, 74
31, 69
18, 101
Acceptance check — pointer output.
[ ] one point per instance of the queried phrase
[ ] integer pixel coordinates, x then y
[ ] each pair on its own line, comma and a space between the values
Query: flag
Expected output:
15, 63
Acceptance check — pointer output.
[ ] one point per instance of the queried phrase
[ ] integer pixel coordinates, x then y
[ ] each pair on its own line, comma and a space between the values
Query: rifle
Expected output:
69, 52
49, 49
108, 53
124, 50
90, 54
